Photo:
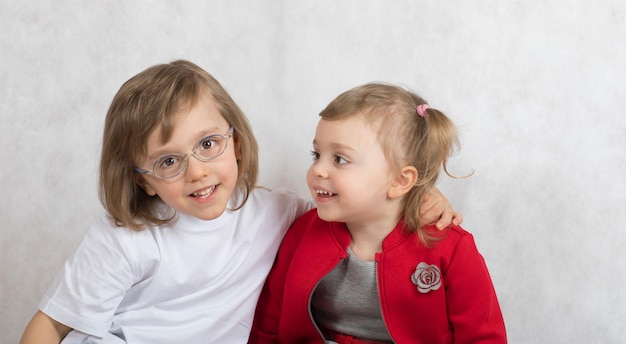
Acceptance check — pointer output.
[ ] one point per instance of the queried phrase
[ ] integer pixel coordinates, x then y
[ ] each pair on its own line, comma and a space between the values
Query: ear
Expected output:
143, 183
404, 182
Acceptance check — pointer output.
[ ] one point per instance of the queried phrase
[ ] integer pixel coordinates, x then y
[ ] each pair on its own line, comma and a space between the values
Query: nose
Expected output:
318, 169
196, 169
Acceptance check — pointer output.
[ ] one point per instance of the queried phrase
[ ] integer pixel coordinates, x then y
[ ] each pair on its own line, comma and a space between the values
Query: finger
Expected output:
446, 218
428, 213
457, 218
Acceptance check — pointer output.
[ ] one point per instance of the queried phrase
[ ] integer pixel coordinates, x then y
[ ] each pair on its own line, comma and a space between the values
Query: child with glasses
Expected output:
185, 241
360, 268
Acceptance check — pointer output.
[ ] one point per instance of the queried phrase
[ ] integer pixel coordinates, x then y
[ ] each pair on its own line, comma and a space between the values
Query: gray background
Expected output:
536, 88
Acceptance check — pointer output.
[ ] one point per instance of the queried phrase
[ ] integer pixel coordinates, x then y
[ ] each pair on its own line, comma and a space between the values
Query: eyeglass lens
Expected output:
207, 149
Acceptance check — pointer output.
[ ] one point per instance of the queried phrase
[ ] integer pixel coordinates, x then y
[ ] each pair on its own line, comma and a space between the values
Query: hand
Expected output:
436, 207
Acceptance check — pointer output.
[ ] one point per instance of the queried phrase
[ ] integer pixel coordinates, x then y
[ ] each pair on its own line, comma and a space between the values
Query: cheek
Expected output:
231, 167
312, 177
309, 176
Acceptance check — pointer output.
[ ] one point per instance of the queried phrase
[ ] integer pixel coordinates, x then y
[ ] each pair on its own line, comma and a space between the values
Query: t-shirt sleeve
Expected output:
304, 206
92, 282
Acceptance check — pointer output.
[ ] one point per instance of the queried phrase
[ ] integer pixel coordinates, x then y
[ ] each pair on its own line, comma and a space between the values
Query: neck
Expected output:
367, 239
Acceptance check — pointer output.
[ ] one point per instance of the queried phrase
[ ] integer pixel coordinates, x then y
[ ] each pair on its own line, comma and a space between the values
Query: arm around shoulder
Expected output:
42, 330
437, 209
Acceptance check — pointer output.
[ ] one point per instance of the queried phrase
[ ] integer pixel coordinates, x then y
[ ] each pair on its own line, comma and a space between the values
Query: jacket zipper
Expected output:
382, 315
341, 260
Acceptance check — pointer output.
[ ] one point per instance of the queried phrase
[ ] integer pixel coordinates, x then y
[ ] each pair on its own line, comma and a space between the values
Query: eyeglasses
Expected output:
171, 165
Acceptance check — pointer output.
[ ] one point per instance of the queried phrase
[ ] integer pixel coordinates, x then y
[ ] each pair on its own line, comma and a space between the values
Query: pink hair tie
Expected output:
421, 110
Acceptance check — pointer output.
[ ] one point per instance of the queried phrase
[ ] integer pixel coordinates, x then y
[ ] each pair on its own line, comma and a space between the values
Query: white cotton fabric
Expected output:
191, 281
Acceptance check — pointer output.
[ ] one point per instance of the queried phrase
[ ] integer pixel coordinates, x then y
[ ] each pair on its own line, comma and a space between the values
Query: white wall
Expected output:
537, 90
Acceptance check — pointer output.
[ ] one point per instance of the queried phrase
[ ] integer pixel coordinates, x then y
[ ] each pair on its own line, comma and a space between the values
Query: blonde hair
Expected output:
148, 101
406, 138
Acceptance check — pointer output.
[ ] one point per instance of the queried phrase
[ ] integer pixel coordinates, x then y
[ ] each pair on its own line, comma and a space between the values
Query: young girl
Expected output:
185, 243
359, 268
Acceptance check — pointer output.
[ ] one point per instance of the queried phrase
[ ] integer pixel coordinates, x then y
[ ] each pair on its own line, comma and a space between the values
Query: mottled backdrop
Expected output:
537, 90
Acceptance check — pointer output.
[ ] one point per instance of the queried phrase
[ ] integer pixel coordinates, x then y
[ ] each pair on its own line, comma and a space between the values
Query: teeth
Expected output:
324, 193
204, 193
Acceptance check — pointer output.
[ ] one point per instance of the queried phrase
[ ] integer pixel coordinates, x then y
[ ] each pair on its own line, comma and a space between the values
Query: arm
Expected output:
473, 308
436, 207
86, 293
42, 329
267, 314
269, 310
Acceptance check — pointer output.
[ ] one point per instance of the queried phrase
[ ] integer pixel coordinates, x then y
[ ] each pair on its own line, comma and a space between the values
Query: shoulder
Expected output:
269, 211
458, 245
262, 196
308, 220
105, 229
311, 236
275, 195
448, 242
281, 200
105, 226
457, 233
136, 247
313, 228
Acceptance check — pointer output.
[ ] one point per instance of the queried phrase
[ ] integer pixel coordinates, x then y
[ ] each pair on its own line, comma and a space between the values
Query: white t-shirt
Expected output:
191, 281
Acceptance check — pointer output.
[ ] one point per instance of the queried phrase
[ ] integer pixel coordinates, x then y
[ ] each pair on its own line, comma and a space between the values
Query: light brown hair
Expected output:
148, 101
406, 138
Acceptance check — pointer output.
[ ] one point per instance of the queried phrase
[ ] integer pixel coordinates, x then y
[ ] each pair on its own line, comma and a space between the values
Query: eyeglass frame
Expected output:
185, 157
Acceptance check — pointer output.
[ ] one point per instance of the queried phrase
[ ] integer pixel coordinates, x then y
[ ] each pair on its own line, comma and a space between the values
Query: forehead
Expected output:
352, 131
187, 125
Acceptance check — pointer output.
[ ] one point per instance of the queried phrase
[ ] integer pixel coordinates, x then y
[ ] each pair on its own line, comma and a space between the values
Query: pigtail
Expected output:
435, 141
442, 139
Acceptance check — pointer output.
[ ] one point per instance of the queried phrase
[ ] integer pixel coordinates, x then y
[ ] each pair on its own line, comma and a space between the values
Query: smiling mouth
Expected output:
204, 193
323, 193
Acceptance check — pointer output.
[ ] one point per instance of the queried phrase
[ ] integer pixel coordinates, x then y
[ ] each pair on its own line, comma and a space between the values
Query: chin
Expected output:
209, 218
327, 217
210, 214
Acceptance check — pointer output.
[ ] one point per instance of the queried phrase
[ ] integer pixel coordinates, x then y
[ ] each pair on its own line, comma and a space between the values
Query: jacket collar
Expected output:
399, 234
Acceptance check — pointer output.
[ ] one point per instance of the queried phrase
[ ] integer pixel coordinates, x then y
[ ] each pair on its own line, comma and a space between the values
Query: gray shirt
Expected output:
346, 301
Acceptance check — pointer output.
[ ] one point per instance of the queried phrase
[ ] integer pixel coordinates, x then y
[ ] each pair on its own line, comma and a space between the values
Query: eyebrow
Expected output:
337, 145
199, 136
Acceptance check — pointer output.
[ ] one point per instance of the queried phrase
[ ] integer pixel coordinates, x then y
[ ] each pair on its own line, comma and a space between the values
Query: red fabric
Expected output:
463, 310
345, 339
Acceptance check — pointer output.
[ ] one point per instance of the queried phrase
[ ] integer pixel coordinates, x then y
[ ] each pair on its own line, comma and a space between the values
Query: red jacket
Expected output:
463, 309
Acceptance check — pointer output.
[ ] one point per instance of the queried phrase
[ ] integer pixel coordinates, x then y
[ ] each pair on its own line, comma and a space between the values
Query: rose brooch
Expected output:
426, 277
